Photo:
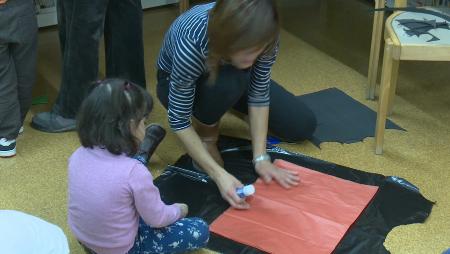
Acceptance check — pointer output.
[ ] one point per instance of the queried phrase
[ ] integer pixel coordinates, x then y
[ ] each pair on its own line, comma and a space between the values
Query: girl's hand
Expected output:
227, 186
285, 178
3, 1
184, 209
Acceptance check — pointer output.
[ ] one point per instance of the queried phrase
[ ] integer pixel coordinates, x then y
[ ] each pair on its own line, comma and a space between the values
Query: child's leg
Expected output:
9, 107
24, 55
185, 234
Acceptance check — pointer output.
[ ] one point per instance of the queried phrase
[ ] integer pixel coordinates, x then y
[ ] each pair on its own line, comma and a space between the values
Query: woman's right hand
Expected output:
184, 209
227, 186
227, 183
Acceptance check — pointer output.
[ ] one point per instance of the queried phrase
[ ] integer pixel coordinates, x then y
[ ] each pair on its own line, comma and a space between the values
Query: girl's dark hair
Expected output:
235, 25
107, 113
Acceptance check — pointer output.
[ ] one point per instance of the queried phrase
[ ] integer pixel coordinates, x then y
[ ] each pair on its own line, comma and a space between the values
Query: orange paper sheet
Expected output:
310, 218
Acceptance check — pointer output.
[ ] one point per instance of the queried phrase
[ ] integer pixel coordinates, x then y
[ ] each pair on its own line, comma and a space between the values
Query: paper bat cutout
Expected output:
419, 27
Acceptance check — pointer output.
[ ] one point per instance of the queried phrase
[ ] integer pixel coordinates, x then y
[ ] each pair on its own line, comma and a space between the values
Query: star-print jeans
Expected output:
181, 236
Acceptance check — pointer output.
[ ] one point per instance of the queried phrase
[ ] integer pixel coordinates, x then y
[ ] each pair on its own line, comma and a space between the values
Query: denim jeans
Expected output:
81, 26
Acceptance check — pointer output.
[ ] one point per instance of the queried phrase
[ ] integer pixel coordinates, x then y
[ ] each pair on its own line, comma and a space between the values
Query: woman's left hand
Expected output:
285, 178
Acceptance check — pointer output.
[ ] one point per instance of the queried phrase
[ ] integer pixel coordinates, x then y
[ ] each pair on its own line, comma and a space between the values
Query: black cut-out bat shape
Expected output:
418, 27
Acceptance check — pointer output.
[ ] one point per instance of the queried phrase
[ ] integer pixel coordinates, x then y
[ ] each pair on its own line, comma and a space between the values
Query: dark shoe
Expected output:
51, 122
7, 148
154, 134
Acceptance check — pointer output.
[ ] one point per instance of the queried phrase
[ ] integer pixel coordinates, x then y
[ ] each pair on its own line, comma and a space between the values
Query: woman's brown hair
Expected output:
236, 25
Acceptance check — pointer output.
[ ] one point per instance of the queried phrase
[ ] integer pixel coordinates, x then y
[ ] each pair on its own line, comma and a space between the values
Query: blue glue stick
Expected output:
245, 191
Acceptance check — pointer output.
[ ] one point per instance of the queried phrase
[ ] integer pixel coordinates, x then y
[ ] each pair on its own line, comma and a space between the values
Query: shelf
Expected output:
47, 16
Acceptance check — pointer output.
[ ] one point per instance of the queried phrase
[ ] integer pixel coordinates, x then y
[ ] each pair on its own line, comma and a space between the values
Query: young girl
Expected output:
113, 205
216, 57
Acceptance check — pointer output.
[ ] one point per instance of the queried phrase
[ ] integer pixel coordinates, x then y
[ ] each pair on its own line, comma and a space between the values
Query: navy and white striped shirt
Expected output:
183, 55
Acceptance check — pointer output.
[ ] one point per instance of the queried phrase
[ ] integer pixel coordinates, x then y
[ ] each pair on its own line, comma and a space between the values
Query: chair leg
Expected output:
375, 50
383, 102
184, 5
394, 76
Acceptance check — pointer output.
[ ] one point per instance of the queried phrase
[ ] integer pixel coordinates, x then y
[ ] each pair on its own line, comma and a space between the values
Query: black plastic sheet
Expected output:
340, 118
396, 203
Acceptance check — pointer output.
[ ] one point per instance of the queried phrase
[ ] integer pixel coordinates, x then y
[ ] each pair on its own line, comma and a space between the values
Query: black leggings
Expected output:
289, 118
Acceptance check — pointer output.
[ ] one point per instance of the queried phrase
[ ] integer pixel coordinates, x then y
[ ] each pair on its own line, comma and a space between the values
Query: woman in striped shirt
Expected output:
217, 57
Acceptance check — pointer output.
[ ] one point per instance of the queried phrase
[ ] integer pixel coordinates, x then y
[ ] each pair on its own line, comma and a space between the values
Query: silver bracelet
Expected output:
262, 157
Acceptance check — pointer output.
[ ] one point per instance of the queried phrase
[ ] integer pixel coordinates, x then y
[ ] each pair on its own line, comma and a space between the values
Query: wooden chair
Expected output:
399, 46
184, 5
